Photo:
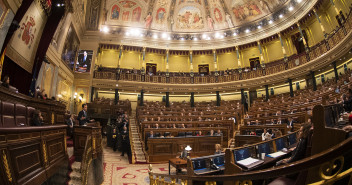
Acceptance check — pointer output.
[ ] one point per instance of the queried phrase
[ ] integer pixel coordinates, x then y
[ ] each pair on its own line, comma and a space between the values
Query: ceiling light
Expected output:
221, 37
204, 36
155, 36
281, 16
298, 1
259, 27
169, 38
164, 35
217, 35
270, 21
234, 34
141, 35
247, 31
105, 29
195, 39
127, 33
182, 38
208, 38
290, 8
135, 32
58, 5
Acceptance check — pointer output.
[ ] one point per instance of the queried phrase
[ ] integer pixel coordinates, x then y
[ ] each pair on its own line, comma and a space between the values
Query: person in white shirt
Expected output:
266, 135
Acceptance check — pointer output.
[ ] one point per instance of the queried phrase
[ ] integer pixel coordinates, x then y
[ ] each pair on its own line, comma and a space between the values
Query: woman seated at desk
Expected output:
300, 151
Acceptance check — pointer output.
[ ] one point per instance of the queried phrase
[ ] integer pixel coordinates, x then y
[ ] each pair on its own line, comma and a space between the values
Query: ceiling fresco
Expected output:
187, 15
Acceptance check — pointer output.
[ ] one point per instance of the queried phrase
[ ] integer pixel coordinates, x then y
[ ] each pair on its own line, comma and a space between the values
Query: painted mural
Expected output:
161, 14
70, 48
189, 17
250, 10
6, 16
125, 11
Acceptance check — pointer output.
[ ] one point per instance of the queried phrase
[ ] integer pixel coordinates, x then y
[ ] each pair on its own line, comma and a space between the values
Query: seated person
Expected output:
290, 124
37, 119
151, 134
279, 121
199, 133
182, 126
276, 133
211, 133
272, 121
183, 154
218, 133
218, 149
6, 82
173, 126
266, 135
300, 151
70, 122
257, 122
156, 126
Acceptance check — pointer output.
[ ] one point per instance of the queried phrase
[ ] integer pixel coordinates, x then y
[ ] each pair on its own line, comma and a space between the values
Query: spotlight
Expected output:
58, 5
259, 27
195, 39
281, 16
247, 31
234, 34
105, 29
217, 35
270, 21
204, 36
155, 36
164, 35
290, 8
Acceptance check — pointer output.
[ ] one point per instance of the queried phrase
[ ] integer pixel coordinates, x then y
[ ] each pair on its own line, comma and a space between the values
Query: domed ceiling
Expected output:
176, 24
188, 15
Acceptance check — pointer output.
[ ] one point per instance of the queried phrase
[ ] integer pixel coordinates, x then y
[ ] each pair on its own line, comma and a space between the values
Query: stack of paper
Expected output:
248, 161
276, 154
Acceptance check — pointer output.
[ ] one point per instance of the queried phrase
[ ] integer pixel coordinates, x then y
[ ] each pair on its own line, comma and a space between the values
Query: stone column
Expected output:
266, 92
142, 98
335, 70
283, 47
322, 28
218, 98
167, 99
314, 81
117, 97
192, 99
262, 62
291, 88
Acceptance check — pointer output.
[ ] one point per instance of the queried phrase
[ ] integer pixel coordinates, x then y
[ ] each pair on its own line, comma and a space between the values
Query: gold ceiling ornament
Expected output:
6, 165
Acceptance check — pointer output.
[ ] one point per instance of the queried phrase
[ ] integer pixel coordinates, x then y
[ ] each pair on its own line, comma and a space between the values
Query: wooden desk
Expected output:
177, 163
80, 136
163, 149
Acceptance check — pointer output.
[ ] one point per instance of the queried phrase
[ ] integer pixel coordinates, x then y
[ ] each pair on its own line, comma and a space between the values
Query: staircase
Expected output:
75, 175
138, 153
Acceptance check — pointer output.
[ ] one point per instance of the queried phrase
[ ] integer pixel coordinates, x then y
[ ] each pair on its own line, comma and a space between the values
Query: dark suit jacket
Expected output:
83, 121
291, 124
5, 85
37, 122
300, 151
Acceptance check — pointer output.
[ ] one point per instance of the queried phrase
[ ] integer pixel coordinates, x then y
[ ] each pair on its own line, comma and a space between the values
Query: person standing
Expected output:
125, 142
83, 116
114, 139
37, 119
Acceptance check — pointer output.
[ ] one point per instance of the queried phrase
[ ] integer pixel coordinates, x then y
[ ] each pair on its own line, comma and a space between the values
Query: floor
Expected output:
118, 171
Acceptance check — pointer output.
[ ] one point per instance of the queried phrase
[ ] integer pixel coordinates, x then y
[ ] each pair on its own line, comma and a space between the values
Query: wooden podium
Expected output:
80, 134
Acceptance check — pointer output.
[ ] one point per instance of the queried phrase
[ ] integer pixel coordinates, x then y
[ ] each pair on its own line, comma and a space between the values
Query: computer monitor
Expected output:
264, 148
199, 164
280, 144
219, 161
242, 154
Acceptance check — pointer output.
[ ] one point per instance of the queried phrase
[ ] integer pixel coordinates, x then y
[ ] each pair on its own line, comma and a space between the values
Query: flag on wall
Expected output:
2, 61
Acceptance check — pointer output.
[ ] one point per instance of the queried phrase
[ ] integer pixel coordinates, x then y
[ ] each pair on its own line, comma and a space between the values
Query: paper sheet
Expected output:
276, 154
248, 161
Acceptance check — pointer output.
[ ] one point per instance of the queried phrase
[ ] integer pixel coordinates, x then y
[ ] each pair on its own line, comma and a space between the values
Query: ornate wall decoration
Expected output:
93, 20
46, 5
6, 166
70, 48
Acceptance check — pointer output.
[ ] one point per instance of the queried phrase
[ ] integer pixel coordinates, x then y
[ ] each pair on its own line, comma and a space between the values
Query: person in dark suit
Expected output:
183, 153
37, 119
125, 142
6, 82
84, 61
83, 116
114, 139
70, 122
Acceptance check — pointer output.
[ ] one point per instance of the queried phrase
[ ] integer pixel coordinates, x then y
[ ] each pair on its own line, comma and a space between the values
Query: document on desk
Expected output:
276, 154
249, 162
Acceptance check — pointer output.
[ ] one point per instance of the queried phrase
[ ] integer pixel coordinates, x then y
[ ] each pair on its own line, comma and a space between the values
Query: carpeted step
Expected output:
76, 166
74, 182
75, 176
